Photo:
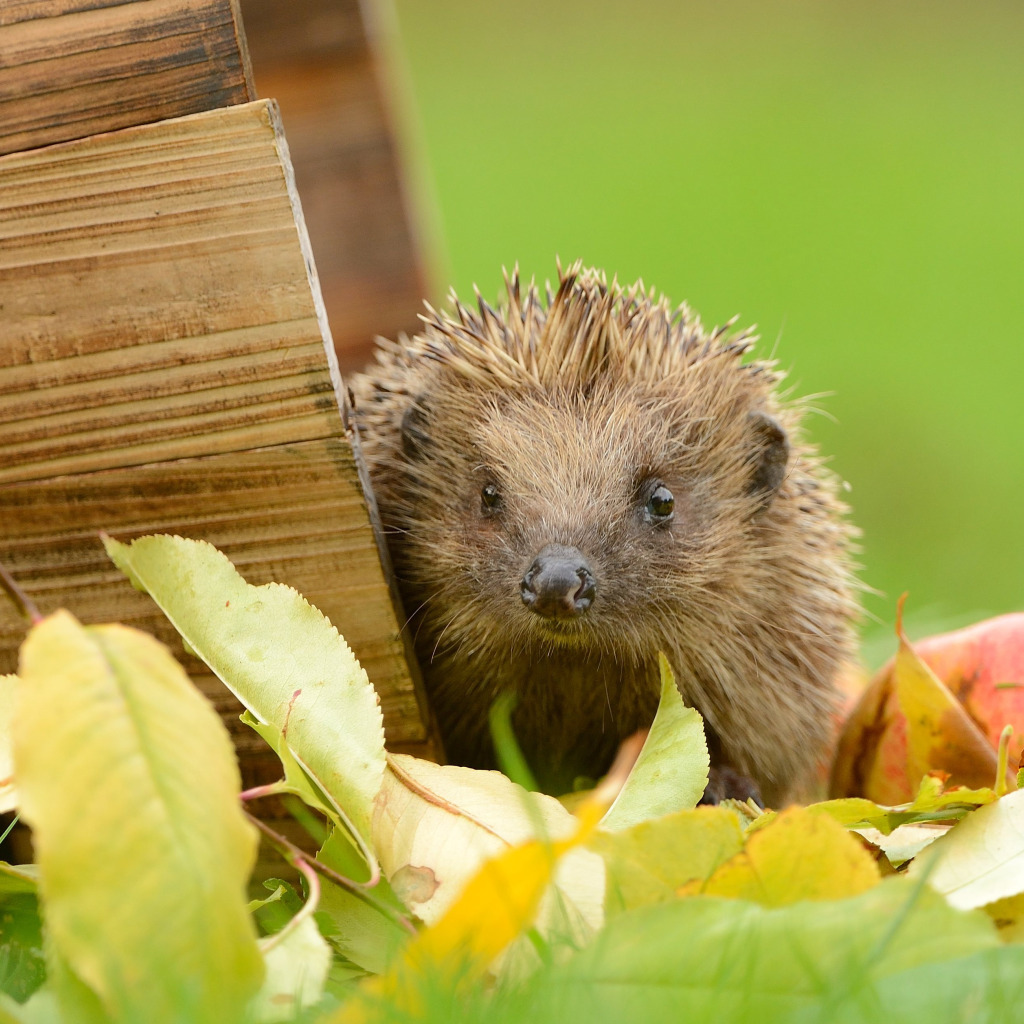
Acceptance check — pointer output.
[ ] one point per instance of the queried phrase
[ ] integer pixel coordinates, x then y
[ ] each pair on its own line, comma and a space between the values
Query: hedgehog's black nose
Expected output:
560, 584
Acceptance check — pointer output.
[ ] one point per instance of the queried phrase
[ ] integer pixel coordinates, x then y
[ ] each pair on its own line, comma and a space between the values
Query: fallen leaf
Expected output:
798, 856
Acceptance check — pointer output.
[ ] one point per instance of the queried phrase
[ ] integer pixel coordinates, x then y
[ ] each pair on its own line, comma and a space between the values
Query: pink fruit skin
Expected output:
972, 662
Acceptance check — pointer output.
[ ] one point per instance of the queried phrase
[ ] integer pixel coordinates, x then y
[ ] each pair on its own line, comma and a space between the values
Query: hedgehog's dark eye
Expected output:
660, 504
491, 497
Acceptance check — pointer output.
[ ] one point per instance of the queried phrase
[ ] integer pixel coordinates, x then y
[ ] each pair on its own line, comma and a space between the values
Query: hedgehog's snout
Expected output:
559, 584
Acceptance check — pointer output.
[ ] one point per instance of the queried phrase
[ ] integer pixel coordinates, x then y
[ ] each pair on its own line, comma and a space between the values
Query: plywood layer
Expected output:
72, 68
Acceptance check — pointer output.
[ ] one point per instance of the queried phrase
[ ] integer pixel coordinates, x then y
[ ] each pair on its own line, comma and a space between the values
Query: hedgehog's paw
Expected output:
726, 783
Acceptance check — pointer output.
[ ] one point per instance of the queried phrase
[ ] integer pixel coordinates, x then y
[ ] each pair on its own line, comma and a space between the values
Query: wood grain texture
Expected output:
292, 514
315, 58
73, 68
166, 366
156, 281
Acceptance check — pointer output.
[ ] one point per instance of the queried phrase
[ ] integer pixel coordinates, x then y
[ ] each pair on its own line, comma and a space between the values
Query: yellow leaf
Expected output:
8, 794
1008, 916
497, 904
798, 856
129, 781
649, 862
500, 900
939, 733
281, 657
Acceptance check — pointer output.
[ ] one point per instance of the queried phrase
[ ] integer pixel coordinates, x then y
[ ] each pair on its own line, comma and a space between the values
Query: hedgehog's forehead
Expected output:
556, 431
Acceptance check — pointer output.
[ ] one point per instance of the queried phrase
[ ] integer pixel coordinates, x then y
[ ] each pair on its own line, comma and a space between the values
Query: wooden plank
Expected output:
166, 366
286, 31
158, 282
292, 514
315, 58
73, 68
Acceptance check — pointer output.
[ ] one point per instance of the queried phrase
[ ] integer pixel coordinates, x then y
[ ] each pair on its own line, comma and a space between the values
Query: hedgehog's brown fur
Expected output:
571, 407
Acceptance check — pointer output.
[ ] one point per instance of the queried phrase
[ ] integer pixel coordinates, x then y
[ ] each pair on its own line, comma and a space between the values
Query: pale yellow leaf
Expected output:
8, 792
434, 826
129, 781
982, 859
280, 656
671, 772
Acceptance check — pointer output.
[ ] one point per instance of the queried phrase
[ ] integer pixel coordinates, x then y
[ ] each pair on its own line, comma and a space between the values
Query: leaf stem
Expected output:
291, 851
1002, 785
271, 789
24, 603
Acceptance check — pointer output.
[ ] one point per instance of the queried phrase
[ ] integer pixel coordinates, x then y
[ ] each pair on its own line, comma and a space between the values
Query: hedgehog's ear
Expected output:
770, 459
413, 431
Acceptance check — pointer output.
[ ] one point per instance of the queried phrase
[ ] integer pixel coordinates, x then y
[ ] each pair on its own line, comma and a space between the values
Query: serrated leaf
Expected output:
671, 772
982, 859
129, 781
649, 862
280, 656
8, 793
798, 856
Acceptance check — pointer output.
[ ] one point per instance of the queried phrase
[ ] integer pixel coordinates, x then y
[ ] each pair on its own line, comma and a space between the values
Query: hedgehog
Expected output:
571, 484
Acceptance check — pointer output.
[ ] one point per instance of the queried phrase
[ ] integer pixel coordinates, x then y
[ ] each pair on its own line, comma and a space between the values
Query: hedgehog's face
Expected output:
607, 521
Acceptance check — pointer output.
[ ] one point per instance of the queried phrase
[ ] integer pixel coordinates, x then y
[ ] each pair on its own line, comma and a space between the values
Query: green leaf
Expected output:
671, 773
274, 912
366, 933
41, 1008
22, 964
18, 878
129, 781
982, 859
932, 803
282, 659
649, 862
707, 959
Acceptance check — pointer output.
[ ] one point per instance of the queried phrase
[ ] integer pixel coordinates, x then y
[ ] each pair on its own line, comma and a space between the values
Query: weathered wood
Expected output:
155, 281
315, 58
73, 68
292, 514
166, 365
286, 31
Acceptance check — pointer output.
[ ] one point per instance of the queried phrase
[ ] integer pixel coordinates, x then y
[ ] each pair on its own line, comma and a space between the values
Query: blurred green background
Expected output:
849, 176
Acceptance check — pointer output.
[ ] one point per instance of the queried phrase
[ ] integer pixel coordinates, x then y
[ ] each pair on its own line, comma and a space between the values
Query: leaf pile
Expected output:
447, 894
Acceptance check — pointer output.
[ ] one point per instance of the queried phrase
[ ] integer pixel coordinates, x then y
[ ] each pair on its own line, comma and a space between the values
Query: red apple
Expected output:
939, 705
